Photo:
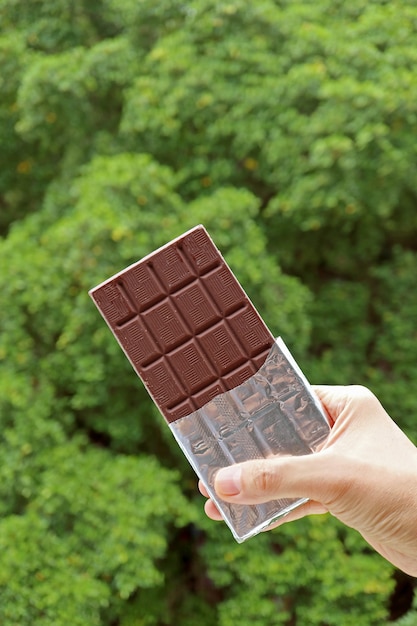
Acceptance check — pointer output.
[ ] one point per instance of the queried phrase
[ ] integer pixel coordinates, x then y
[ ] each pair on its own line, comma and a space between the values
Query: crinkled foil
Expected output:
273, 413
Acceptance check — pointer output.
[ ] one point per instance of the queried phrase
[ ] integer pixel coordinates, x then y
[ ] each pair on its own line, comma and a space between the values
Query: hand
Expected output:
365, 475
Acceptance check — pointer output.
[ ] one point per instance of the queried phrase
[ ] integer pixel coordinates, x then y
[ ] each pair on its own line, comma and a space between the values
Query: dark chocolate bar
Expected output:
185, 323
229, 390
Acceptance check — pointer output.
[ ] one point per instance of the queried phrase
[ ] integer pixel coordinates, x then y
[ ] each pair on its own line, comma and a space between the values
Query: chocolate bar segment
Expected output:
185, 323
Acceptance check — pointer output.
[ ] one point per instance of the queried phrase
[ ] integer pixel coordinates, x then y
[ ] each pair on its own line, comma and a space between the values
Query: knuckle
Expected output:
265, 479
368, 400
361, 391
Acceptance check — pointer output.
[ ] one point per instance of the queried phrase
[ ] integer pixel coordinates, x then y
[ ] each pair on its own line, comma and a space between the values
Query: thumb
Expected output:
254, 482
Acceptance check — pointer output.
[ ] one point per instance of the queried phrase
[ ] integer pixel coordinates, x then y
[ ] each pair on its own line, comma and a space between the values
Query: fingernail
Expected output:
228, 481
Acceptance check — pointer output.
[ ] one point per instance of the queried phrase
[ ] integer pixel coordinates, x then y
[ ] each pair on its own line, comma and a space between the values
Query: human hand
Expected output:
365, 475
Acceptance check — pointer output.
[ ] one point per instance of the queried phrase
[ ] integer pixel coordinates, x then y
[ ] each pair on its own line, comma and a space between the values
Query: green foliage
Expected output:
19, 187
287, 129
41, 581
90, 537
285, 579
364, 330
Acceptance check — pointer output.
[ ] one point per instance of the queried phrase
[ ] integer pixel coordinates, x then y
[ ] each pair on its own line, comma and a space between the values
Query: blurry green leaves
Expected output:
356, 154
56, 107
16, 160
42, 581
71, 95
256, 578
319, 122
394, 355
397, 307
187, 106
341, 314
92, 532
53, 27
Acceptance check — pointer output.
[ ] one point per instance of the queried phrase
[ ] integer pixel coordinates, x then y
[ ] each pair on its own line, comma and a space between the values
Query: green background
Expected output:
289, 130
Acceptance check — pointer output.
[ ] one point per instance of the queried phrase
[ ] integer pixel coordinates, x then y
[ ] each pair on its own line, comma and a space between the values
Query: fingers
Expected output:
210, 508
308, 508
212, 511
202, 489
259, 481
263, 480
339, 399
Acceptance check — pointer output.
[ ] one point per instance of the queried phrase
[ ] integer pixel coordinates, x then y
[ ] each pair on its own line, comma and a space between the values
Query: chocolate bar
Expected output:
228, 390
185, 323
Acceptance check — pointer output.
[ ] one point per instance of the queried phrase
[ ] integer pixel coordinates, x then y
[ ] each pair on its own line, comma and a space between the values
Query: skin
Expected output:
365, 476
